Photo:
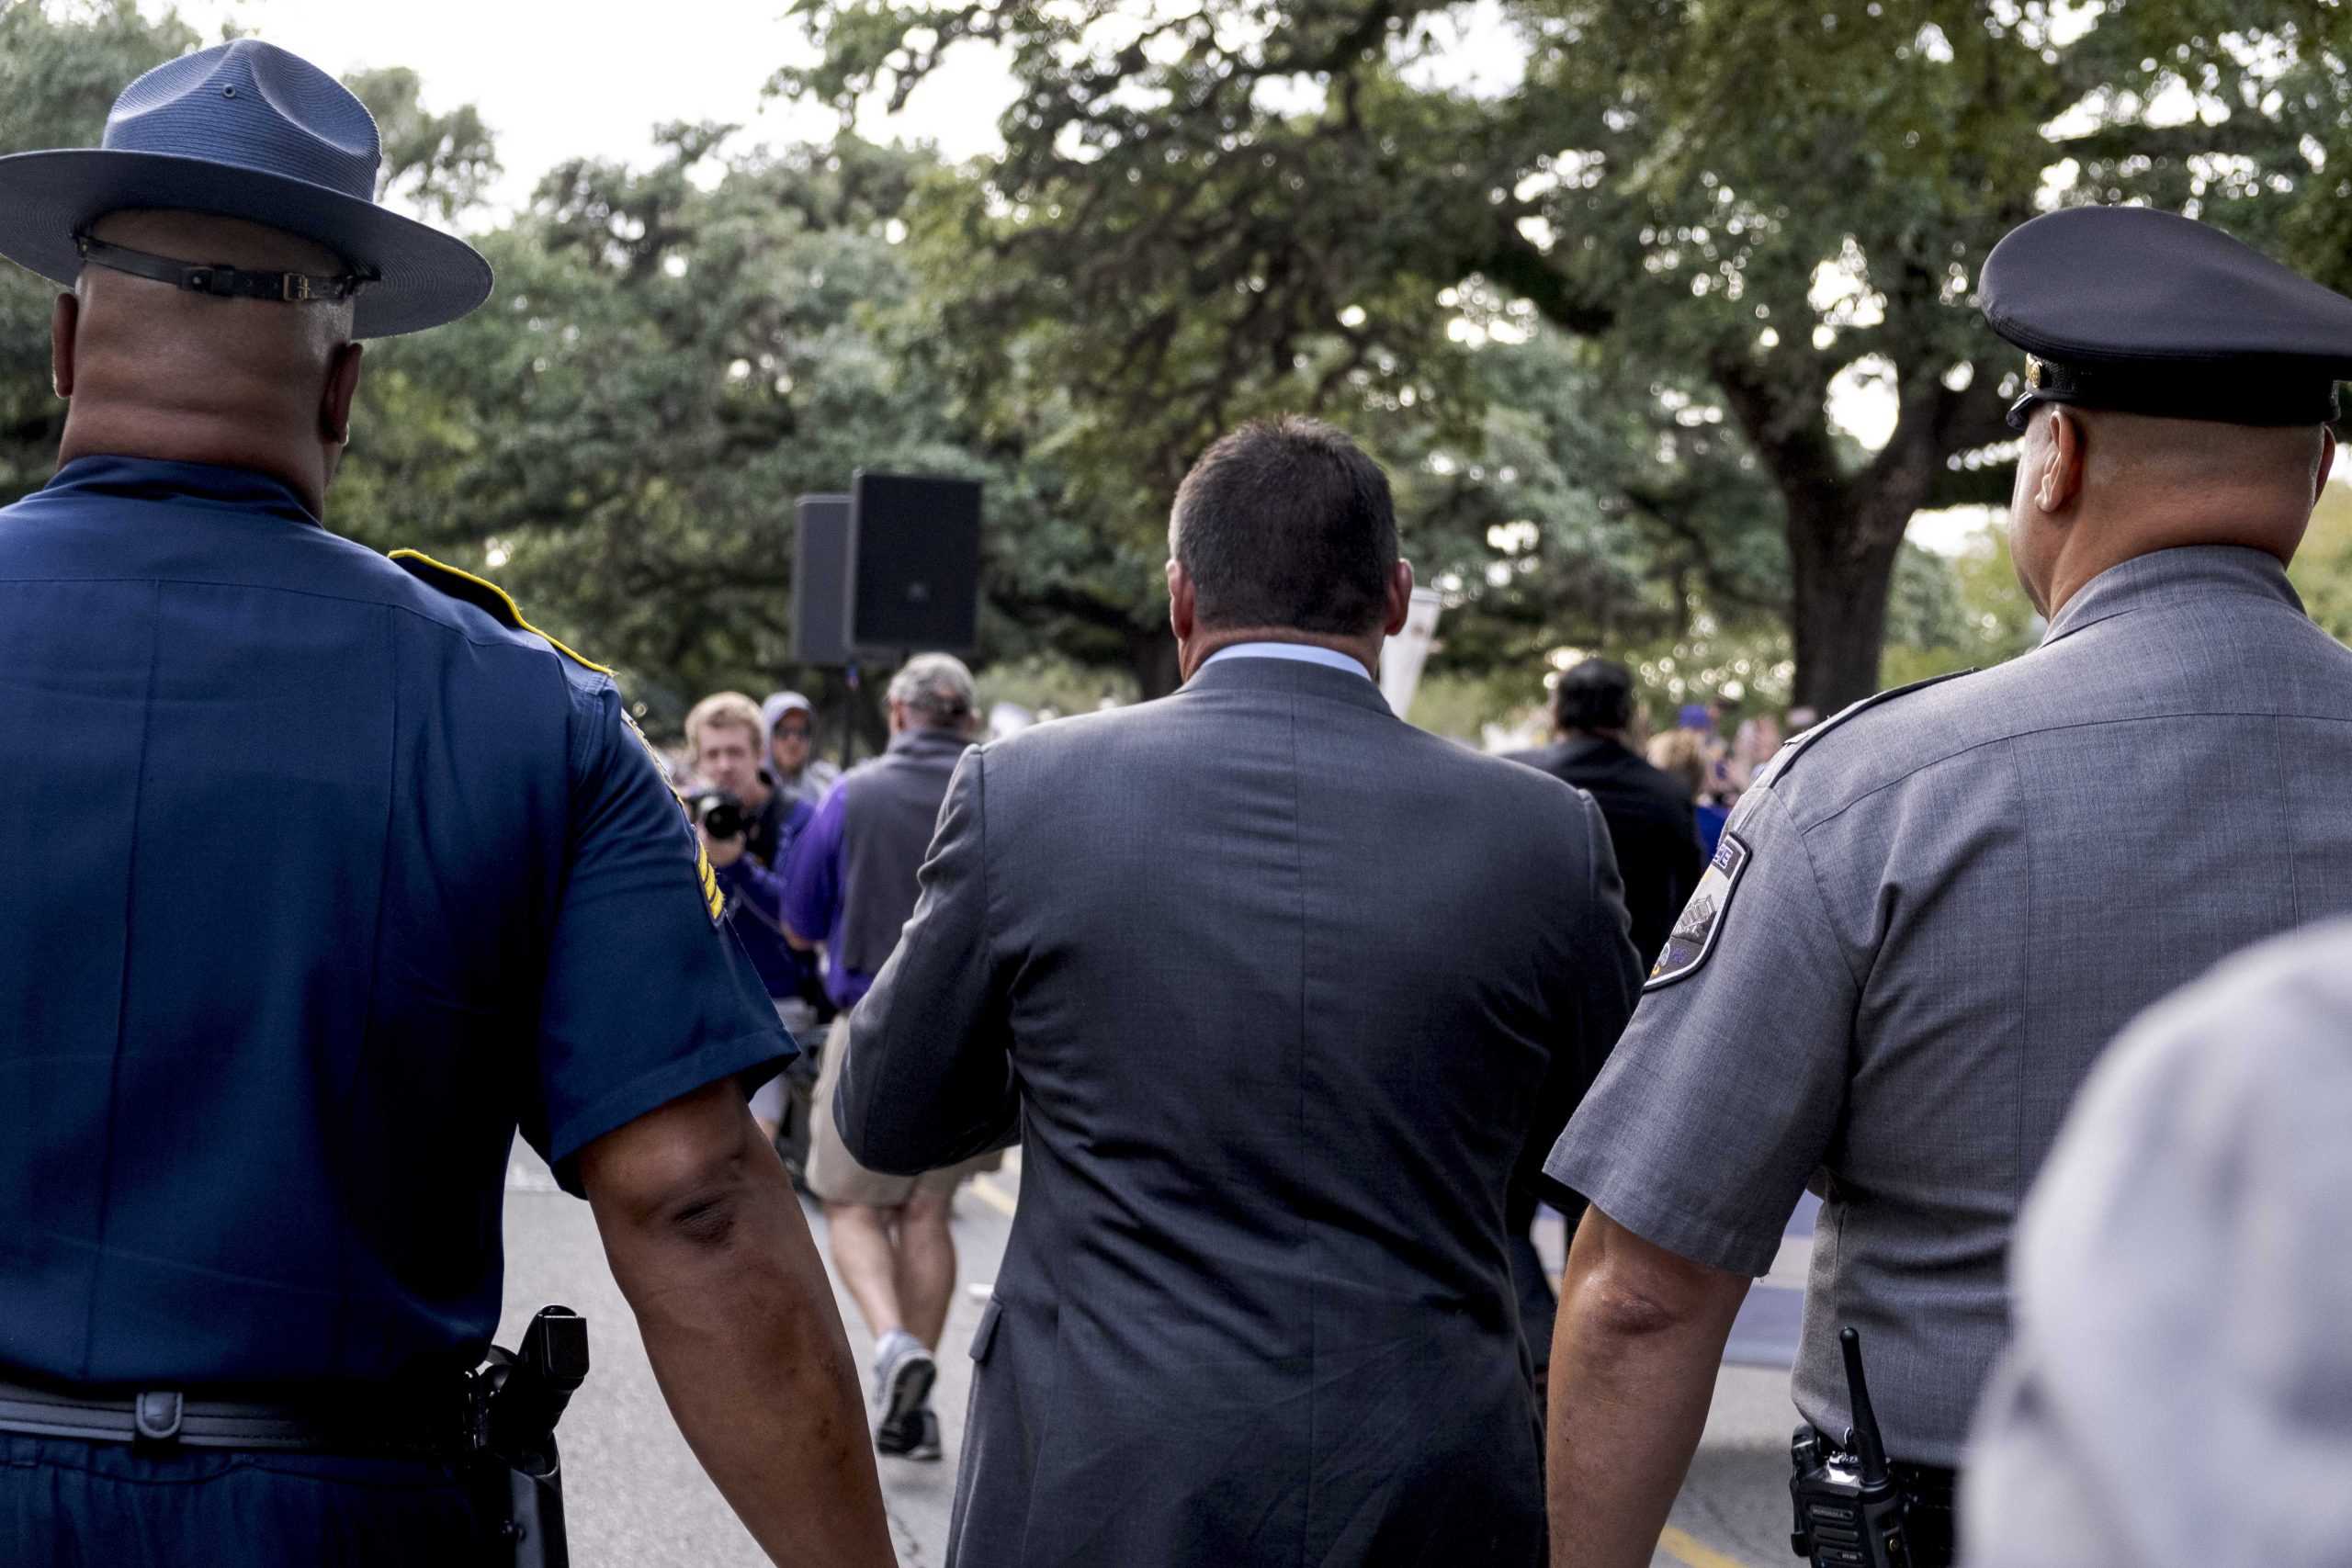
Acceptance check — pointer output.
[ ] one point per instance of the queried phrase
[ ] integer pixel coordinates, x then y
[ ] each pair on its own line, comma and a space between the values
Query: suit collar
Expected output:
1289, 675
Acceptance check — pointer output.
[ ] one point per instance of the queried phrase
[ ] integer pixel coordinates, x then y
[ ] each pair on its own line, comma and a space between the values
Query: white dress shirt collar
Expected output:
1303, 652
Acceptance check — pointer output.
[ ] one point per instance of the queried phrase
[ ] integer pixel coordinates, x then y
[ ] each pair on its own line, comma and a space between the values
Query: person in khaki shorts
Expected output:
850, 886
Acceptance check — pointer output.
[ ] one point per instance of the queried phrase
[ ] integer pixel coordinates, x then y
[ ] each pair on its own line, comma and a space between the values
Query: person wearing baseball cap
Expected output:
326, 874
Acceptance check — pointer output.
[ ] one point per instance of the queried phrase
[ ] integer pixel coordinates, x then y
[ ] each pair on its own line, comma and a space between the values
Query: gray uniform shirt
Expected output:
1925, 924
2179, 1391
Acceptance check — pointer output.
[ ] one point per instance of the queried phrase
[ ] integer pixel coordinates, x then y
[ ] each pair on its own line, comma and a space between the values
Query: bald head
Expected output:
2095, 488
156, 370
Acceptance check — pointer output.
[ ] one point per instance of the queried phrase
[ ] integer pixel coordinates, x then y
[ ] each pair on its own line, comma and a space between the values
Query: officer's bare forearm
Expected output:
715, 1261
1633, 1357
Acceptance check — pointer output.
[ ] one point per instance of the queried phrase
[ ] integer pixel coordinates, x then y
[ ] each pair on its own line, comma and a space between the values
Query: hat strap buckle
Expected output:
223, 281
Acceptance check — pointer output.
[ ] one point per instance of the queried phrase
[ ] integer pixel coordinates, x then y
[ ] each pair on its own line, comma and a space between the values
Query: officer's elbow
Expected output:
684, 1174
1623, 1288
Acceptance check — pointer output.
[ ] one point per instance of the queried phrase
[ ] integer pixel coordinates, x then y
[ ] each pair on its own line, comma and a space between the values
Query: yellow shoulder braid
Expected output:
483, 595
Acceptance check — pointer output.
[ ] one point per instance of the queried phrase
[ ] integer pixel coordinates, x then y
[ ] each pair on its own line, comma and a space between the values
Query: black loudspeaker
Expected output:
821, 581
914, 572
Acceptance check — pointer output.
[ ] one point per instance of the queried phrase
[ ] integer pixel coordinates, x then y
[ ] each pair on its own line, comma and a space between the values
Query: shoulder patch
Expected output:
714, 897
483, 594
1692, 941
1795, 746
659, 767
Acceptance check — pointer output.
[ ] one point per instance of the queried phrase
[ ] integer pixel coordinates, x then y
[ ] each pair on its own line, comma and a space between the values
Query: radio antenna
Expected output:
1869, 1446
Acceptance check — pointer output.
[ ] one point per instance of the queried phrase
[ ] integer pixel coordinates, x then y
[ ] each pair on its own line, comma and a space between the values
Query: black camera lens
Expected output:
720, 813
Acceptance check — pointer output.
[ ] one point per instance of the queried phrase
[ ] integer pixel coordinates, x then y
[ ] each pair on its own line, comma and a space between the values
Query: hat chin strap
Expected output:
222, 280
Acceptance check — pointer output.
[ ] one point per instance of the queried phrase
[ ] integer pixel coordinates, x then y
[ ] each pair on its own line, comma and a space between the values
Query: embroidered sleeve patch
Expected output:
1701, 919
714, 898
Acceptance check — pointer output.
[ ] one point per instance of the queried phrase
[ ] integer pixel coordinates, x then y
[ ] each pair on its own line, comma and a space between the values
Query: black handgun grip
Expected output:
555, 1347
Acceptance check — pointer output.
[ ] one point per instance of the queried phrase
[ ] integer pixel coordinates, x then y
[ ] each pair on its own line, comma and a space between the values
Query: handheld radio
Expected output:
1848, 1512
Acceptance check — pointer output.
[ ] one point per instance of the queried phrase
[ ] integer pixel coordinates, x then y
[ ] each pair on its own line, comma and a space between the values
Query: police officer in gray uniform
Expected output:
1930, 914
2178, 1392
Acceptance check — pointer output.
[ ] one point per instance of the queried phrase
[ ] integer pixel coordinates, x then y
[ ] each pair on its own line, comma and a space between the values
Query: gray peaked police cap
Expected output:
245, 131
2149, 312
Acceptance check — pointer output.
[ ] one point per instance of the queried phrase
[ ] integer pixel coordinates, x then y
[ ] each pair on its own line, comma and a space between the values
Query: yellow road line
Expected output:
1684, 1548
997, 1197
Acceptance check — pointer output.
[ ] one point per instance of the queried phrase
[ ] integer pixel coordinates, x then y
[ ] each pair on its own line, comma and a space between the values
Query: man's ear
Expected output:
343, 384
1180, 602
2062, 465
64, 317
1400, 597
2326, 460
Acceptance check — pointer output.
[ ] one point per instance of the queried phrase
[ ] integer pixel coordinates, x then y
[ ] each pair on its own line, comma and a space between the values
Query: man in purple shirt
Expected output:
850, 885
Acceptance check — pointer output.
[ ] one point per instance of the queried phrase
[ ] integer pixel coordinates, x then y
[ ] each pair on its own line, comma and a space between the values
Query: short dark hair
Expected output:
1595, 694
1286, 523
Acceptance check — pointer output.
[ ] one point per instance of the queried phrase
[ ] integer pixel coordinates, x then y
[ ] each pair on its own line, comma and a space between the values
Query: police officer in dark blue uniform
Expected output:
320, 874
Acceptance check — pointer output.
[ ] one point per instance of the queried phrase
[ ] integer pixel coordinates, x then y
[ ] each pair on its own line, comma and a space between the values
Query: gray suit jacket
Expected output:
1275, 986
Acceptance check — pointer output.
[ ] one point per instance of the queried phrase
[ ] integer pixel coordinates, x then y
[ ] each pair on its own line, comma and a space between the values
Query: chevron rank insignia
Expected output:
712, 897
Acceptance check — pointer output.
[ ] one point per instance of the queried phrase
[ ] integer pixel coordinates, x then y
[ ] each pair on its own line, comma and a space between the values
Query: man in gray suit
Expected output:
1269, 982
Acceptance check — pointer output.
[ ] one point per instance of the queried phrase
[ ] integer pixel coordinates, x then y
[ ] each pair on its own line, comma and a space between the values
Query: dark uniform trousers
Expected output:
65, 1503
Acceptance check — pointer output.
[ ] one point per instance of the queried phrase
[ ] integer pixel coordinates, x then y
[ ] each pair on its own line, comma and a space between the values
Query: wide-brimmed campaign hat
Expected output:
245, 131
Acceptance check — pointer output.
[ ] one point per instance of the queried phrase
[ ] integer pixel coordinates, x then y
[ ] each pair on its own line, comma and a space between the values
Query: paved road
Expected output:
634, 1495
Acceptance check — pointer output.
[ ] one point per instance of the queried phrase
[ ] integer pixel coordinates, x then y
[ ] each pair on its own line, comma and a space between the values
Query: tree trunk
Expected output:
1840, 572
1152, 655
1846, 530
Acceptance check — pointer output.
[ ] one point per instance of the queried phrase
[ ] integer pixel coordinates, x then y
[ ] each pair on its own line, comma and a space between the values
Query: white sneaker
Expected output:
903, 1373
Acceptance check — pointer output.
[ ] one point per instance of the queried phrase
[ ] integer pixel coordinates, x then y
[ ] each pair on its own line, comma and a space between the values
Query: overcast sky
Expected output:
594, 76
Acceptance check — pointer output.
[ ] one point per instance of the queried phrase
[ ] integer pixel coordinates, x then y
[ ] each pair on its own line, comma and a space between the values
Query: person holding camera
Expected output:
748, 826
727, 738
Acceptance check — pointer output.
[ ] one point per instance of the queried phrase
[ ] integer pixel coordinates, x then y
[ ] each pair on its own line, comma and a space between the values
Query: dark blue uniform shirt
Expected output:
316, 881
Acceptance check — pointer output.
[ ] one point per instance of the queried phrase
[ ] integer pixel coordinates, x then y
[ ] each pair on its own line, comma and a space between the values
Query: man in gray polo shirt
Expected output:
1929, 915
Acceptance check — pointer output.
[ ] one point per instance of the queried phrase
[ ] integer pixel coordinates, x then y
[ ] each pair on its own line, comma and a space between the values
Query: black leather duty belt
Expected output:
165, 1419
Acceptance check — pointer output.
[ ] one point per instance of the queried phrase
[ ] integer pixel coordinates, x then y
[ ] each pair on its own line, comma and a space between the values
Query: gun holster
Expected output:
516, 1398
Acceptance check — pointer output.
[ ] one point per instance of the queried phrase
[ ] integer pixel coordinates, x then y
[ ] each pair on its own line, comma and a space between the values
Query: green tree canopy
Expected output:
1589, 314
1205, 210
